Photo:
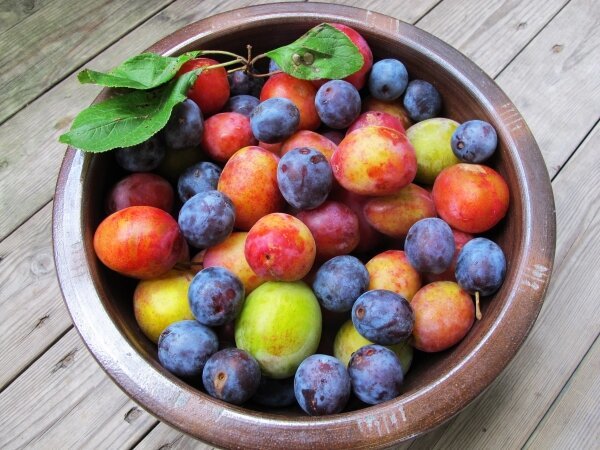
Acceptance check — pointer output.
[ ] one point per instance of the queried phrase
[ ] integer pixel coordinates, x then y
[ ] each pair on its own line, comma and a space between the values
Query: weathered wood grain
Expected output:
31, 306
30, 153
64, 400
40, 53
489, 32
13, 12
405, 10
574, 419
554, 82
567, 326
165, 437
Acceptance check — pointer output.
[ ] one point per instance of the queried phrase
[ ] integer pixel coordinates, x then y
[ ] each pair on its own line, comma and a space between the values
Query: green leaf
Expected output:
145, 71
323, 52
128, 119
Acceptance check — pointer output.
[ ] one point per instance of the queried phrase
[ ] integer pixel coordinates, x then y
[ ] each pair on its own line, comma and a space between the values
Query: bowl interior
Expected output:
467, 94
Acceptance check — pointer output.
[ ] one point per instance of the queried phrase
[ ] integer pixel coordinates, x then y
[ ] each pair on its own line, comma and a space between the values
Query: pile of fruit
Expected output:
270, 203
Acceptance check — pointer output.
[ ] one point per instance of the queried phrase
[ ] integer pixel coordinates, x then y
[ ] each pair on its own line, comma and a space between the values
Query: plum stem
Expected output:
223, 52
477, 310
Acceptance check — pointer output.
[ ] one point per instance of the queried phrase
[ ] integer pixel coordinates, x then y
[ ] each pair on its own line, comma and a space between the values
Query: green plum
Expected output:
279, 325
431, 140
348, 340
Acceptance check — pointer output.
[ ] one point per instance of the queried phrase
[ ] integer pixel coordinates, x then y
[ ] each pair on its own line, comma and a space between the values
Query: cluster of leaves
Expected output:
150, 88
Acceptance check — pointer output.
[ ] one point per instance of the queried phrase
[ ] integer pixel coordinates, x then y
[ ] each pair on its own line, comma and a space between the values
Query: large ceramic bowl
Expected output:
438, 386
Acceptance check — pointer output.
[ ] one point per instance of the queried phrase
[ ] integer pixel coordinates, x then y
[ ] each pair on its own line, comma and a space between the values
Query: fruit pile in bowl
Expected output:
261, 260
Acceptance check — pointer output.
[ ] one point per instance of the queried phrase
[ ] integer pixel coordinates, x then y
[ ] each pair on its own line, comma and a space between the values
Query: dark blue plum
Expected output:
143, 157
241, 82
185, 126
480, 267
304, 177
216, 296
376, 374
241, 104
388, 79
185, 346
474, 141
274, 120
322, 385
339, 282
231, 375
338, 104
383, 317
200, 177
206, 219
275, 393
430, 245
422, 100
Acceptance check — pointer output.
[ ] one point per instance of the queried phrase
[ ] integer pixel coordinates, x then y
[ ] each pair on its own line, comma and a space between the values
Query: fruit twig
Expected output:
477, 309
223, 52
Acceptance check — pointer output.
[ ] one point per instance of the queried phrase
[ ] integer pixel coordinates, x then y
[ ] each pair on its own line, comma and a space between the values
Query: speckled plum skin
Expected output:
339, 282
338, 104
206, 219
383, 317
395, 108
140, 242
230, 255
480, 266
231, 375
322, 385
444, 314
370, 238
376, 374
460, 239
393, 215
280, 247
301, 93
304, 177
379, 119
334, 226
216, 296
249, 179
429, 245
307, 138
391, 270
140, 189
274, 120
185, 346
225, 133
471, 197
161, 301
200, 177
210, 100
389, 165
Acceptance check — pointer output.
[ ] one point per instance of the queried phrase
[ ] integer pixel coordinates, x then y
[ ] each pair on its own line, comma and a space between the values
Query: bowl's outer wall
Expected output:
437, 389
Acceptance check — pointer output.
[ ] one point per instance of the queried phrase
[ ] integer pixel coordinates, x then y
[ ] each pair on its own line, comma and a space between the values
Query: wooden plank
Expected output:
405, 10
554, 82
31, 306
64, 400
40, 53
574, 419
165, 437
566, 328
489, 32
30, 154
13, 12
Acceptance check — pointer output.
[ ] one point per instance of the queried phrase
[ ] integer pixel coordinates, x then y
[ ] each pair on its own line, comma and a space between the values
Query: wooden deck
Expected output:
545, 54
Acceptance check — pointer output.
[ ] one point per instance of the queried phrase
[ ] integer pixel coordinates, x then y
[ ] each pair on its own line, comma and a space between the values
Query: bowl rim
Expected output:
203, 417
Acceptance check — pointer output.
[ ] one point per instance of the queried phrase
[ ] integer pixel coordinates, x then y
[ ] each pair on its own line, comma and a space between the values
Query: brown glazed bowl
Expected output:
438, 386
